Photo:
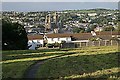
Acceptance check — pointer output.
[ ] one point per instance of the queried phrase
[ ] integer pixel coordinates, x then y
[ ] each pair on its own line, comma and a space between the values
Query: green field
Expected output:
14, 63
89, 62
86, 62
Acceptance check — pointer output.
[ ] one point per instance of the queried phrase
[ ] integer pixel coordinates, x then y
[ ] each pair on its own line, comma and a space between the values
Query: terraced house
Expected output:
75, 40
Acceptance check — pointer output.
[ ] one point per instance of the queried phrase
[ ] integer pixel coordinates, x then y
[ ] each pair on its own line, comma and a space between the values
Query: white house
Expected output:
35, 41
38, 40
92, 14
52, 38
97, 29
59, 39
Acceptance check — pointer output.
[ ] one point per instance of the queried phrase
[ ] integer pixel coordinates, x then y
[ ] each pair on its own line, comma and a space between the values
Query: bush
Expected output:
49, 45
93, 39
56, 44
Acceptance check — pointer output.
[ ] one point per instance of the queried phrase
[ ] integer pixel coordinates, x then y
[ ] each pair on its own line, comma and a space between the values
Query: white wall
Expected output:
34, 43
59, 40
67, 39
38, 41
55, 39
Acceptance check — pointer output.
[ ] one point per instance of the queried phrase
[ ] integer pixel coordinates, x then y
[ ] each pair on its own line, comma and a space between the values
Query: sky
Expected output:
60, 0
50, 6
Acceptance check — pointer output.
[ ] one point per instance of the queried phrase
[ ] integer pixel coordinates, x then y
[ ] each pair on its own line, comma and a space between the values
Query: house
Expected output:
52, 38
92, 14
97, 29
35, 41
38, 40
69, 38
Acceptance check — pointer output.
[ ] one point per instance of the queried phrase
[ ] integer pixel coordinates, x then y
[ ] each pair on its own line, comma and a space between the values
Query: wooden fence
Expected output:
92, 43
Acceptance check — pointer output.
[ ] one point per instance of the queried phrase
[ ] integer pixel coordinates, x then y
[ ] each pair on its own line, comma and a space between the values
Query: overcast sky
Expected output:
60, 0
48, 6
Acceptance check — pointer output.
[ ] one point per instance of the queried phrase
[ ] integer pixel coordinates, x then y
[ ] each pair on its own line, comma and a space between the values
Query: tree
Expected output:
90, 28
108, 28
118, 27
14, 36
41, 26
78, 30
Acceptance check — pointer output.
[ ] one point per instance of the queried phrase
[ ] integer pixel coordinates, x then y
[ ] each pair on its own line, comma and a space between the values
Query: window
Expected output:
58, 39
51, 39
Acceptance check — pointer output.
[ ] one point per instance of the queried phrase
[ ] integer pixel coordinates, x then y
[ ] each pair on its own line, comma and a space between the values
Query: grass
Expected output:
104, 73
15, 70
86, 62
14, 63
66, 63
21, 54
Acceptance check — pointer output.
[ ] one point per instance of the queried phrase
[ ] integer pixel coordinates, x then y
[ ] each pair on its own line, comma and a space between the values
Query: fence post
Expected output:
99, 43
80, 44
93, 43
118, 43
86, 43
105, 43
111, 42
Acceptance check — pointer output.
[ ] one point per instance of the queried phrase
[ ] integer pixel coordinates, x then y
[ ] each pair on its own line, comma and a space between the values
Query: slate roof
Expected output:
77, 36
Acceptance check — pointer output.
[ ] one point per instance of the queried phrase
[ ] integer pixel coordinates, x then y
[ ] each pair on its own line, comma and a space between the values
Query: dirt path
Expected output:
32, 70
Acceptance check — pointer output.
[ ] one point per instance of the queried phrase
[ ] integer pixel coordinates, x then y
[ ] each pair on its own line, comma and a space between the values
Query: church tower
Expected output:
52, 22
55, 18
48, 22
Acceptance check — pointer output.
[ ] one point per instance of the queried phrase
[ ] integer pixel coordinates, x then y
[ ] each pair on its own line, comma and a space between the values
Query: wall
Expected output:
68, 45
35, 43
97, 43
59, 40
90, 43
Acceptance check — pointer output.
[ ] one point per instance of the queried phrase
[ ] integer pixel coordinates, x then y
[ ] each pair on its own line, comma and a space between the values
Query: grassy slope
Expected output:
85, 62
14, 63
15, 70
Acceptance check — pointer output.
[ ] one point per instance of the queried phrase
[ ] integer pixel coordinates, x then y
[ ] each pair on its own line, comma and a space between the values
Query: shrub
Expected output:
49, 45
56, 44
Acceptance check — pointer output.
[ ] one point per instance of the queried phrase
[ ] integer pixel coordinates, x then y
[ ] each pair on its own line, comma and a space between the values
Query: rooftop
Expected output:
78, 36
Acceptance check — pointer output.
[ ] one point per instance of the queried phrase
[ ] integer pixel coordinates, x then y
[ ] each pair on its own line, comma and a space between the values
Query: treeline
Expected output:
14, 36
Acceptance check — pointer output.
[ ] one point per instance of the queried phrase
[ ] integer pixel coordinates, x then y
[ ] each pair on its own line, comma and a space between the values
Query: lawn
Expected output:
63, 63
14, 63
86, 62
15, 70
